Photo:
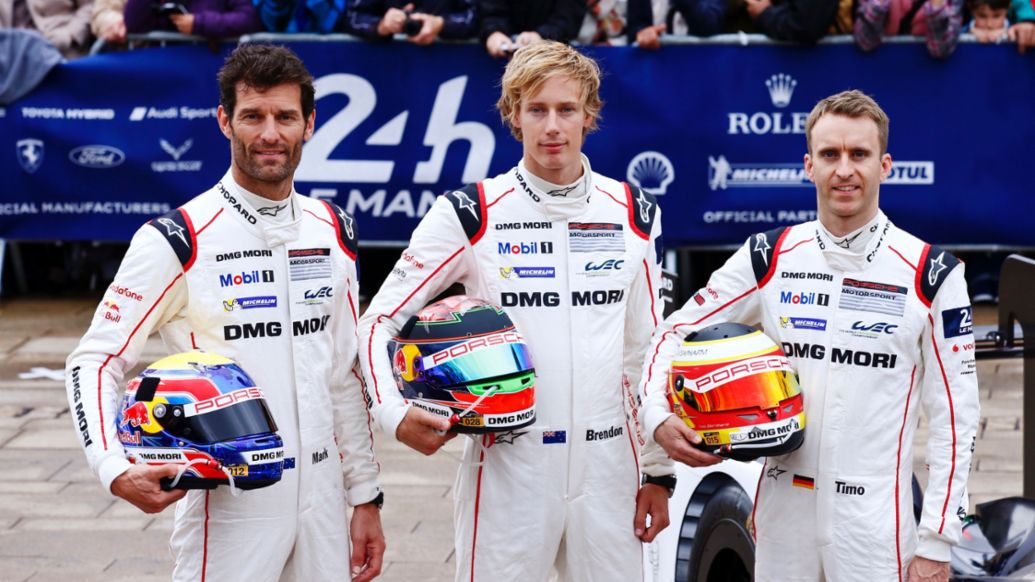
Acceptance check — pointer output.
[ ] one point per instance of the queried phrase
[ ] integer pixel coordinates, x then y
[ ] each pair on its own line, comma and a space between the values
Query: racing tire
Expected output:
723, 549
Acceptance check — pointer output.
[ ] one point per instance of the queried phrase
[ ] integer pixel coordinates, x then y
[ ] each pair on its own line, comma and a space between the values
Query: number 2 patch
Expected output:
958, 321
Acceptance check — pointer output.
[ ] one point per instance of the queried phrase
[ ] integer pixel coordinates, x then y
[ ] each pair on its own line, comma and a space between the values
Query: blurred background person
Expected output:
64, 23
605, 23
1022, 13
320, 16
938, 21
528, 21
207, 18
422, 21
649, 19
107, 21
988, 21
804, 21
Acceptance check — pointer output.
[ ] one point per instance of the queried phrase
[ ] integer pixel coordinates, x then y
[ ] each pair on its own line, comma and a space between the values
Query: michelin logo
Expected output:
722, 174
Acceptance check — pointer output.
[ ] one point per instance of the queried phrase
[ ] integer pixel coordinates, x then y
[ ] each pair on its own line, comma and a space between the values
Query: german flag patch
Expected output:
804, 482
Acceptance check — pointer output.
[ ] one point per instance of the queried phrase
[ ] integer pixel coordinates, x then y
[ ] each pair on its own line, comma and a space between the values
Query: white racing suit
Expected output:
872, 342
581, 284
181, 277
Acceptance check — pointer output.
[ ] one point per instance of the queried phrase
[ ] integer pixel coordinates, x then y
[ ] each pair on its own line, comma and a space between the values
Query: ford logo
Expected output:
96, 156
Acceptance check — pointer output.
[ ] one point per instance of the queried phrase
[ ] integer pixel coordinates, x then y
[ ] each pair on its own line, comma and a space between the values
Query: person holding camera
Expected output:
422, 21
508, 25
207, 18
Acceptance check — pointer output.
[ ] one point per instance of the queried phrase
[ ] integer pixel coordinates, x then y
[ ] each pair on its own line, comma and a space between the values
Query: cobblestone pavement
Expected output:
55, 520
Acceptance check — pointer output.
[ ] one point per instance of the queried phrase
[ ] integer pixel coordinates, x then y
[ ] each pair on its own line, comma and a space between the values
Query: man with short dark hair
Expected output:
878, 324
187, 275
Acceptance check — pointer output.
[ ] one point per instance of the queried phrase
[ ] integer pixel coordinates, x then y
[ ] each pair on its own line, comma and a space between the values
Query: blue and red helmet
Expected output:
203, 411
462, 358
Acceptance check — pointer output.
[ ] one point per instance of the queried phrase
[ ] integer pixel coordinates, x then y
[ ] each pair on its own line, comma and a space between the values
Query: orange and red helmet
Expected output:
733, 385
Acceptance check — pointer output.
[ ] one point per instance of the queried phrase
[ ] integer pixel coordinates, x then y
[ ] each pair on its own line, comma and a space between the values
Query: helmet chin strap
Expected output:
183, 469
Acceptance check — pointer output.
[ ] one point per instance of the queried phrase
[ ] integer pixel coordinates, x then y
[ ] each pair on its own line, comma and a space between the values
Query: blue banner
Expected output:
717, 132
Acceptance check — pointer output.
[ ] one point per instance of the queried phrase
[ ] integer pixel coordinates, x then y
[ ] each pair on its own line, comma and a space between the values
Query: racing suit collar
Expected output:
857, 250
278, 229
556, 207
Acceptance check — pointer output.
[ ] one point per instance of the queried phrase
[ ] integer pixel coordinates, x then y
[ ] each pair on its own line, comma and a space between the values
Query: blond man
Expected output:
564, 494
878, 325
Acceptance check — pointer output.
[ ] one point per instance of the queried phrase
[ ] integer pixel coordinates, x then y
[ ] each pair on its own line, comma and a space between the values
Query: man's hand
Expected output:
183, 22
528, 37
423, 432
924, 570
650, 37
368, 542
430, 29
651, 500
392, 22
114, 30
497, 44
140, 485
678, 439
1023, 33
756, 7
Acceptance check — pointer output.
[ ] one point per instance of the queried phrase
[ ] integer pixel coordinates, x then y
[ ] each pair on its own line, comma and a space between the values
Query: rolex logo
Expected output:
781, 88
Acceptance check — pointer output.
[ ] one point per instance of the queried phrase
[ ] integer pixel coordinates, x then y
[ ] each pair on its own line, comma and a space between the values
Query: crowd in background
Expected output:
503, 26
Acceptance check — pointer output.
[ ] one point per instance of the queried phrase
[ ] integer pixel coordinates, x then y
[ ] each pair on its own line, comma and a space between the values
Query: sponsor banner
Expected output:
109, 141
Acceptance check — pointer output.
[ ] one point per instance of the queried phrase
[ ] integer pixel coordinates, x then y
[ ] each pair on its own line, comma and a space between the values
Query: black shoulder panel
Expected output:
643, 207
348, 230
763, 252
469, 205
179, 233
936, 264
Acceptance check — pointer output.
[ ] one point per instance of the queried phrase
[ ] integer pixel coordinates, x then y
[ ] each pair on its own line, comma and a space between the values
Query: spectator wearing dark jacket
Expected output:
380, 19
529, 21
208, 18
647, 19
804, 21
320, 16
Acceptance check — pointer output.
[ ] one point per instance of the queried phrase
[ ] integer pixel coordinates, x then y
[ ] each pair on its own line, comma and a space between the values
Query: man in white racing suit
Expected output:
573, 258
255, 272
878, 325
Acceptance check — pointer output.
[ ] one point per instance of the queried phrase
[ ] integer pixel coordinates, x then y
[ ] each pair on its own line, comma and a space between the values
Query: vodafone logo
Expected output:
499, 339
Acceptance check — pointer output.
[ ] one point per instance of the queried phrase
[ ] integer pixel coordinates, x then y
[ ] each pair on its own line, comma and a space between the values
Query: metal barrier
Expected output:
162, 38
1017, 306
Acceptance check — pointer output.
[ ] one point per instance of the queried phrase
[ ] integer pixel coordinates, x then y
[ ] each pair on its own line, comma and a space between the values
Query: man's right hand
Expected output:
1023, 33
678, 439
423, 432
497, 44
650, 37
141, 486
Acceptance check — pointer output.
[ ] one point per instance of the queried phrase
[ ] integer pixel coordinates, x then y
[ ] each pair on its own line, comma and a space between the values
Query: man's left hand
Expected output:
431, 26
651, 500
368, 542
924, 570
756, 7
183, 22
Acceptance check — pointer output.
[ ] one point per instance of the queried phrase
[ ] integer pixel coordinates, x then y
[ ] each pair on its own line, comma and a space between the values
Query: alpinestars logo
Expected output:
937, 266
465, 202
761, 246
173, 229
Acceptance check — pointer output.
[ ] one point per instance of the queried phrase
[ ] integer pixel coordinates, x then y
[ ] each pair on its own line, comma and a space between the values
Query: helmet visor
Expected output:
477, 365
762, 390
247, 417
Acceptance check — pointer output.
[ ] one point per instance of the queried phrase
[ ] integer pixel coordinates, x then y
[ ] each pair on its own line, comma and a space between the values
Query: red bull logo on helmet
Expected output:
137, 415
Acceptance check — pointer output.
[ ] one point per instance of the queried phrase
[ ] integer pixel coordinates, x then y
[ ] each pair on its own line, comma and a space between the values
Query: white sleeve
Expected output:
438, 256
148, 291
352, 421
950, 400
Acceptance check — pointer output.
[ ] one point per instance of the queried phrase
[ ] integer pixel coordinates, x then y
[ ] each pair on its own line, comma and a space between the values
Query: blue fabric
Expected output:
25, 59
